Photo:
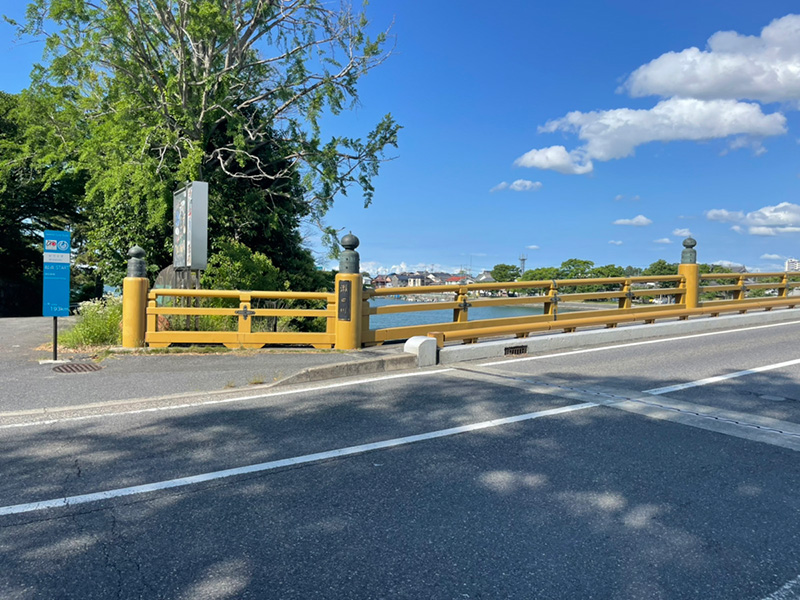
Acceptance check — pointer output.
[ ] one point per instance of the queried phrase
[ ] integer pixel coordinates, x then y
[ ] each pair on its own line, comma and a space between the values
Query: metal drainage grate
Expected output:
516, 350
77, 368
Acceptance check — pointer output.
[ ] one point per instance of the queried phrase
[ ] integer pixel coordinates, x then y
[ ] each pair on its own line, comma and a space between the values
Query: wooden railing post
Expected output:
783, 289
627, 300
461, 314
551, 306
691, 273
134, 300
348, 296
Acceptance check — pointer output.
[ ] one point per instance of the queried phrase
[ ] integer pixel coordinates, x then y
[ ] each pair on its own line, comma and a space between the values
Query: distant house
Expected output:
380, 281
438, 278
484, 277
366, 279
417, 279
398, 280
459, 280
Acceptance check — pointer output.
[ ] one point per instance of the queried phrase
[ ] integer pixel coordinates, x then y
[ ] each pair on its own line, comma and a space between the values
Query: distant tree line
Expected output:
575, 268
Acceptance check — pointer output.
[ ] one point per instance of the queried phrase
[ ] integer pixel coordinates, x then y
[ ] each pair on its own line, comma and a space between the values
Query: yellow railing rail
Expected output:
159, 332
238, 318
553, 292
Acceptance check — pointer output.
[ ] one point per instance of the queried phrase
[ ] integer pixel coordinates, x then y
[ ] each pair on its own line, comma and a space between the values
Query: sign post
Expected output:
190, 218
55, 284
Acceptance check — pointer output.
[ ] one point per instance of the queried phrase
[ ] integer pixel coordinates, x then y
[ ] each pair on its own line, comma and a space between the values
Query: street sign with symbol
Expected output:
55, 287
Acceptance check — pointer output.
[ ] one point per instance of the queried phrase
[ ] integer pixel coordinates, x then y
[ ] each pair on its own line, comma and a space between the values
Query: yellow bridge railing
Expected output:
161, 332
248, 319
676, 290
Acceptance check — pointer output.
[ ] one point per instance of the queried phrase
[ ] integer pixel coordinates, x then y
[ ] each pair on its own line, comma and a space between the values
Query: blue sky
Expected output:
595, 130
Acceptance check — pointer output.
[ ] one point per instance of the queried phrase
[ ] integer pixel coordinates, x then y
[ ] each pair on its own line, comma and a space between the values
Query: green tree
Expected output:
233, 92
632, 271
662, 267
607, 271
503, 272
540, 274
30, 202
575, 268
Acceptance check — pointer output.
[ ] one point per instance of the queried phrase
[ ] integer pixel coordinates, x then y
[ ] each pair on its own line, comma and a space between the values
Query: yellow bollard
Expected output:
348, 311
134, 305
692, 275
134, 300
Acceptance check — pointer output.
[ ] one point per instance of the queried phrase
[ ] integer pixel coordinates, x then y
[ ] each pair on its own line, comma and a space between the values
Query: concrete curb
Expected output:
371, 366
566, 341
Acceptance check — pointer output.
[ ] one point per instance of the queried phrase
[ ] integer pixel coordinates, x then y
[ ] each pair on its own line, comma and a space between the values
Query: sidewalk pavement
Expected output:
25, 384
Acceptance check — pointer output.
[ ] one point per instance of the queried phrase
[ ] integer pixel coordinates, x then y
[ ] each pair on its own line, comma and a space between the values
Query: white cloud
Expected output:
727, 264
523, 185
619, 197
744, 142
556, 158
764, 231
766, 221
616, 133
401, 268
374, 268
725, 216
663, 241
681, 232
772, 257
734, 66
637, 221
533, 247
615, 242
636, 198
520, 185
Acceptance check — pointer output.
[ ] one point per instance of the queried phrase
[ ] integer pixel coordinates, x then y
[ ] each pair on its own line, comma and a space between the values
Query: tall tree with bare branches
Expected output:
237, 92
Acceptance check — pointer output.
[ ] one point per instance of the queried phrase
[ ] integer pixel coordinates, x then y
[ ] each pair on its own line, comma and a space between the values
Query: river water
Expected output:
443, 316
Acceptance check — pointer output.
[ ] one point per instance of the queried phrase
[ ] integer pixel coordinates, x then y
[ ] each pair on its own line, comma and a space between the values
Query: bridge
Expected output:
156, 318
639, 461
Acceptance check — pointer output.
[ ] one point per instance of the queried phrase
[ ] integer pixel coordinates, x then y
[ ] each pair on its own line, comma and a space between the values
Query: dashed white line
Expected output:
717, 378
277, 464
632, 344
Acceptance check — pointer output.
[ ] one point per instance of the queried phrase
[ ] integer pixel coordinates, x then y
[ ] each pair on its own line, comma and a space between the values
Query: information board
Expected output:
190, 218
55, 285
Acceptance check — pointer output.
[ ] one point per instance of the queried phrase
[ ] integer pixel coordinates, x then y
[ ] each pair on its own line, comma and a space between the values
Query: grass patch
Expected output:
99, 324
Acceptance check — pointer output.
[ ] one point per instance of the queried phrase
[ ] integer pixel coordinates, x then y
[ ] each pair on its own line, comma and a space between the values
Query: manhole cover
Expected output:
77, 368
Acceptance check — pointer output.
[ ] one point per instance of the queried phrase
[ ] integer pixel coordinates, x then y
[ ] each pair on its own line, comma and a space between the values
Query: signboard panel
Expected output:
345, 300
55, 284
190, 217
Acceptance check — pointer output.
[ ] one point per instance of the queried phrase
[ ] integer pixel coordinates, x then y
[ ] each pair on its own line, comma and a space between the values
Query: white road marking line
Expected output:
287, 462
223, 401
715, 379
632, 344
790, 591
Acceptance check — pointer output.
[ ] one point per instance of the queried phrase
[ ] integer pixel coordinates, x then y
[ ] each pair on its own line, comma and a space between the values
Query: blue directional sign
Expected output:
55, 288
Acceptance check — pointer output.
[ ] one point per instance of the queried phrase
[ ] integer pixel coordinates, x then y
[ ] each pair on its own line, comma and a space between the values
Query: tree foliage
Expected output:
30, 202
145, 94
504, 272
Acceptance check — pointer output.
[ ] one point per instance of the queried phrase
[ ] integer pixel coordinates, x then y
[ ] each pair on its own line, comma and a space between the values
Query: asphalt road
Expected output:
549, 477
27, 384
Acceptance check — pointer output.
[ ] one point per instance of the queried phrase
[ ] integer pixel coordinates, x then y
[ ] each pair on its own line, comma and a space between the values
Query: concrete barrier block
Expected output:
424, 348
